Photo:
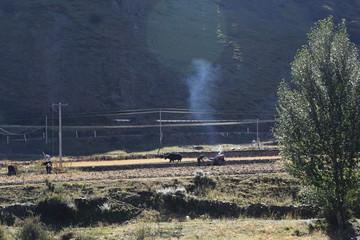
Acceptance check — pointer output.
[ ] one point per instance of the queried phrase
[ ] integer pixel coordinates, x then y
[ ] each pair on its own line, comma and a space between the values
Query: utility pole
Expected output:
46, 130
60, 131
160, 130
257, 131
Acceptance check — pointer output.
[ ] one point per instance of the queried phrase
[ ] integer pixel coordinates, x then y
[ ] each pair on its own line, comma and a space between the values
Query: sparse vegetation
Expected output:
33, 229
2, 233
203, 182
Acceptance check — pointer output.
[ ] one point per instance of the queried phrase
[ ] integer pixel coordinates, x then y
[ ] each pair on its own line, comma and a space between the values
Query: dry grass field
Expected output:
206, 229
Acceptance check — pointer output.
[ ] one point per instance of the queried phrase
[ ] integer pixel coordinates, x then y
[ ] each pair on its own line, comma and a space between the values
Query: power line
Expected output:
149, 111
188, 123
6, 132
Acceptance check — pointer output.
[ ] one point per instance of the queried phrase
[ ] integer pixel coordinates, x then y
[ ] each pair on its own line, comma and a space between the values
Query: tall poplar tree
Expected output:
318, 126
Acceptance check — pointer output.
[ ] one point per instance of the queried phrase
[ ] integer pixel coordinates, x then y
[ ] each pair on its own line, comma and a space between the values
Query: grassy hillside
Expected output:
112, 54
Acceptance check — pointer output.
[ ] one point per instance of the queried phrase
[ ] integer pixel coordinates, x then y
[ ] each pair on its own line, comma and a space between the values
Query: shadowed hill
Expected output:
124, 54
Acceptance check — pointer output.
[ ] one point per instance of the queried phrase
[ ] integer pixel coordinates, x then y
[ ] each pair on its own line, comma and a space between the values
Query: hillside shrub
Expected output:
7, 218
142, 232
203, 182
90, 210
150, 215
94, 210
56, 209
10, 213
32, 229
170, 200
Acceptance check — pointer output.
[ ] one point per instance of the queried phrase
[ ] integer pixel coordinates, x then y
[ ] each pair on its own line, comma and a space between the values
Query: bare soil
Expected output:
176, 169
153, 160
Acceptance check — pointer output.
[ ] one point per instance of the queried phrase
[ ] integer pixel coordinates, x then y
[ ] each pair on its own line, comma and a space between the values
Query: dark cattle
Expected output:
173, 156
11, 170
48, 166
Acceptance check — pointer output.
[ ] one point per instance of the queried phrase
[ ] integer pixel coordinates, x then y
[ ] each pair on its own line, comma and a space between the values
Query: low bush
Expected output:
142, 232
32, 229
56, 209
203, 182
2, 233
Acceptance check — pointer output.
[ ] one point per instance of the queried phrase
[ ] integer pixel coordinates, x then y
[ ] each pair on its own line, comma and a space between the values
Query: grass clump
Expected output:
141, 232
203, 182
2, 233
33, 229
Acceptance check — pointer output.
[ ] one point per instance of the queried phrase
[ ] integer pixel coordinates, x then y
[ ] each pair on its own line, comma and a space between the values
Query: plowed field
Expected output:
152, 160
149, 169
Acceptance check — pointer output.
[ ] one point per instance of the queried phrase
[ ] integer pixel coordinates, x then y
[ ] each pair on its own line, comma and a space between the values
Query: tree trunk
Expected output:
340, 220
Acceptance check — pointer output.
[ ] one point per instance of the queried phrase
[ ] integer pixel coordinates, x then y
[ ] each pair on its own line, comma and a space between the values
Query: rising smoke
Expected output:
201, 89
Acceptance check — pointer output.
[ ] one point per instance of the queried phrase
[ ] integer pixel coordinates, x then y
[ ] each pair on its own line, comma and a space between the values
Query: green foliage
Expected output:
2, 233
309, 196
318, 125
32, 229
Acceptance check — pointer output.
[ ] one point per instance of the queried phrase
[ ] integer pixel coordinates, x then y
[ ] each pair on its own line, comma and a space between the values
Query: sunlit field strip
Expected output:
153, 160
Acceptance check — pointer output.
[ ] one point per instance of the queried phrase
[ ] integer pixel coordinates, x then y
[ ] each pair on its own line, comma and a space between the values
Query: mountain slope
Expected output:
102, 55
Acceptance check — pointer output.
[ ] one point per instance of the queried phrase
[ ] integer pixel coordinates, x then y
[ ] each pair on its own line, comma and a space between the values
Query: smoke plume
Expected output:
201, 88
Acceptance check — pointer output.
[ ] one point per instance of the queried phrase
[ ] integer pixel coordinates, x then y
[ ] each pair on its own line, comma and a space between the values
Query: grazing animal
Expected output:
48, 166
173, 156
11, 170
